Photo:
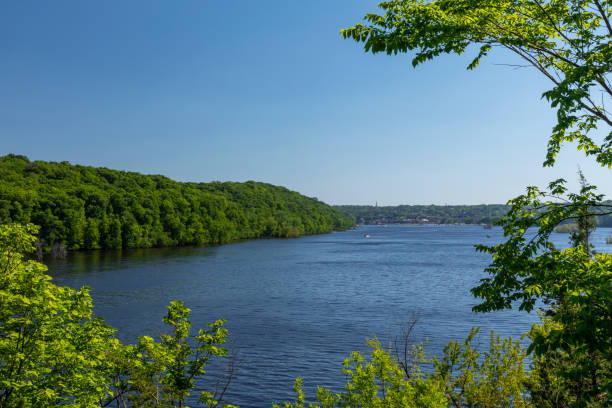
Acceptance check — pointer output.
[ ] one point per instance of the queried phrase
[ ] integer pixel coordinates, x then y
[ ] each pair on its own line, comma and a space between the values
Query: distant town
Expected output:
426, 214
485, 214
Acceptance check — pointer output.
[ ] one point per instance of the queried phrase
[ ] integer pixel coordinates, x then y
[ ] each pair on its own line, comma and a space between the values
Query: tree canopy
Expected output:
55, 352
84, 207
570, 43
567, 41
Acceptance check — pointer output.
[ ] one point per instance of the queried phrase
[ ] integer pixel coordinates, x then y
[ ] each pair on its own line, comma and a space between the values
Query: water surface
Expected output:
298, 307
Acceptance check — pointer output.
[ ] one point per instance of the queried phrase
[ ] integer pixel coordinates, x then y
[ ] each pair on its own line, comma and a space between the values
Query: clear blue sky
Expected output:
268, 91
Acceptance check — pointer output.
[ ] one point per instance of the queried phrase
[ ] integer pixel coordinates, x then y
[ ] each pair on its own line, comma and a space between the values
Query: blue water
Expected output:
298, 307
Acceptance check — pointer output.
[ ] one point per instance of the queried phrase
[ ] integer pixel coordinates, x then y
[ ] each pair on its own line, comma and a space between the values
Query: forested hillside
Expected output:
86, 207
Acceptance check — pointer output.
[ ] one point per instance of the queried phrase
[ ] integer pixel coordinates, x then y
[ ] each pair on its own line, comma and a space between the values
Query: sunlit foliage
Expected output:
54, 352
86, 208
569, 42
463, 377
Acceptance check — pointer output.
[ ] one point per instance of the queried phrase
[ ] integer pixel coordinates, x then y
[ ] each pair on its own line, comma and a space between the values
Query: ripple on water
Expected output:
299, 307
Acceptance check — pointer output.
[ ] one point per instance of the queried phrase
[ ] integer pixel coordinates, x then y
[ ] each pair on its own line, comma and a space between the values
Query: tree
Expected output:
585, 222
87, 208
570, 43
168, 366
53, 351
92, 234
464, 377
574, 341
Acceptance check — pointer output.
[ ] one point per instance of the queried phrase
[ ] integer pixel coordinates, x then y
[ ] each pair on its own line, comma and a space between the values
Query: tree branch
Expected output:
603, 15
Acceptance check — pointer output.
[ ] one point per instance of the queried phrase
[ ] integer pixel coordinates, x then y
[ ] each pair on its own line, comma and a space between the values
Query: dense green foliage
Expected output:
86, 207
54, 352
464, 377
573, 345
570, 43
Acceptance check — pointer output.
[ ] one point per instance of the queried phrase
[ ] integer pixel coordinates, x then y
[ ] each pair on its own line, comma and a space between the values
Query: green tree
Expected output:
570, 43
92, 234
133, 210
493, 378
53, 351
112, 232
585, 220
163, 374
464, 377
378, 382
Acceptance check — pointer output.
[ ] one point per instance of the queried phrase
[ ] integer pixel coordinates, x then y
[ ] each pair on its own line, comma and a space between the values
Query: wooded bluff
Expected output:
85, 207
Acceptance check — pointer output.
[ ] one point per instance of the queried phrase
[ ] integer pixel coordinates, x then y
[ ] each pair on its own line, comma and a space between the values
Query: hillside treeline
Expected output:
85, 207
437, 214
426, 214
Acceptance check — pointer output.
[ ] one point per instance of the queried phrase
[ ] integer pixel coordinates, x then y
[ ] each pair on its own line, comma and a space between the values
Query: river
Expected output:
298, 307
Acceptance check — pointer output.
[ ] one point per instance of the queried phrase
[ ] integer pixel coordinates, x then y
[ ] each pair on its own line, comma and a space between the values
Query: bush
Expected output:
463, 377
53, 351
